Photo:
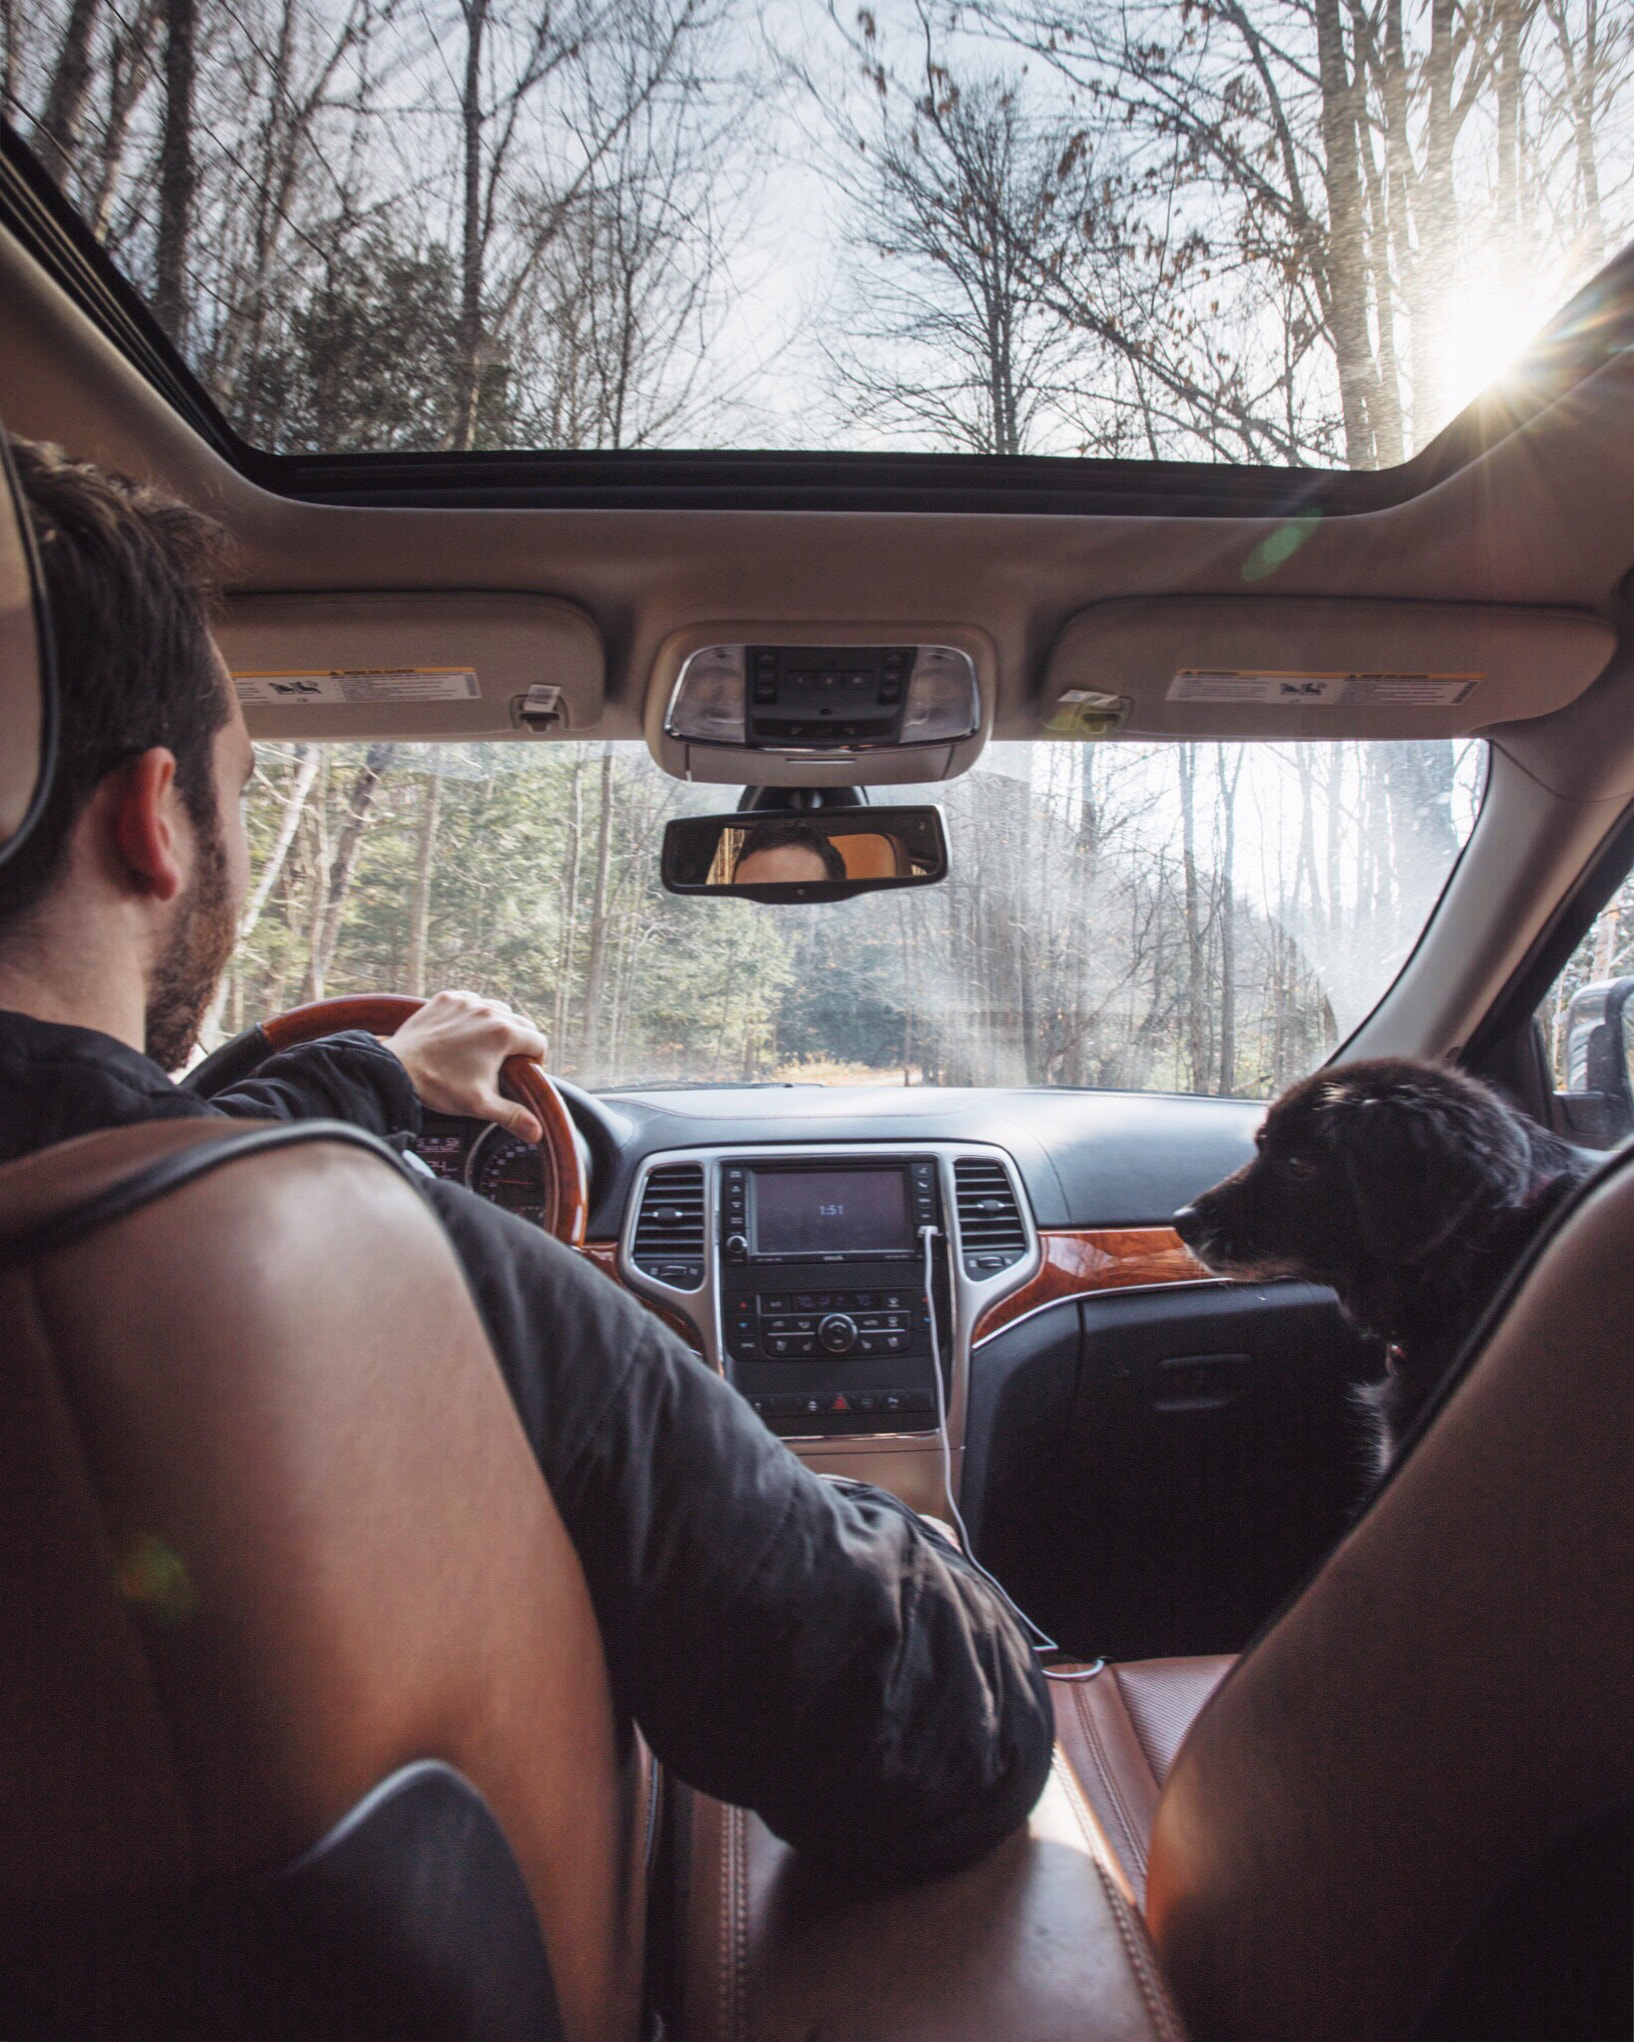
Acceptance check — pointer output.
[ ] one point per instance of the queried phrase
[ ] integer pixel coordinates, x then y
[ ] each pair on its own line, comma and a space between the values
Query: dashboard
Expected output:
1150, 1460
485, 1159
783, 1231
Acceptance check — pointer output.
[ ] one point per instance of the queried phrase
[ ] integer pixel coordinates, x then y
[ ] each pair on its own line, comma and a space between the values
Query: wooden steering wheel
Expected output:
566, 1194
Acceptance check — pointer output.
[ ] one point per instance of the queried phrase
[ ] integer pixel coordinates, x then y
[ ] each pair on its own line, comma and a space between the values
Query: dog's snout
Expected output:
1188, 1224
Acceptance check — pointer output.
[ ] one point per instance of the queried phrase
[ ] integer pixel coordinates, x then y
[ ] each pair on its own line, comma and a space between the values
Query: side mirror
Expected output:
28, 699
791, 855
1598, 1102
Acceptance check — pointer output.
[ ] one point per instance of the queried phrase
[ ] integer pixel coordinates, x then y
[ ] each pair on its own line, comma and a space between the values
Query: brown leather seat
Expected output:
269, 1531
1036, 1943
1119, 1730
1394, 1777
1448, 1700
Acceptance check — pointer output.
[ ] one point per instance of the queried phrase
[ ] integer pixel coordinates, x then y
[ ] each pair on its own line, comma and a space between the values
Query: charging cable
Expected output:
1042, 1641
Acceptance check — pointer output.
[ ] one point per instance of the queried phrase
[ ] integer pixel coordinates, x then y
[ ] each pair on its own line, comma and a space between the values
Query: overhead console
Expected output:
783, 707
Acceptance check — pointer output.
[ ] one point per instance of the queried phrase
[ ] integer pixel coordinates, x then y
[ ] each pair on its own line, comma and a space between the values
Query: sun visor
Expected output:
1310, 668
413, 665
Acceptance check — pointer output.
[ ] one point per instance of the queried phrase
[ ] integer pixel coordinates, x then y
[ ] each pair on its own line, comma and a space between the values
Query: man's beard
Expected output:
200, 946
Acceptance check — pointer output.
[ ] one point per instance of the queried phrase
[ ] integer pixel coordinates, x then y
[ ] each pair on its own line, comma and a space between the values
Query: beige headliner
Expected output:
1543, 520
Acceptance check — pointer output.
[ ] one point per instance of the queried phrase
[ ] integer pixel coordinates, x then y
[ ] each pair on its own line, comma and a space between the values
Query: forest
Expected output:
1296, 232
1199, 918
1286, 231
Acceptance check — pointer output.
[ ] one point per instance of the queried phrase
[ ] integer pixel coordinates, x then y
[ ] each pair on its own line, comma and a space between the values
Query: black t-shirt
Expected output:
805, 1648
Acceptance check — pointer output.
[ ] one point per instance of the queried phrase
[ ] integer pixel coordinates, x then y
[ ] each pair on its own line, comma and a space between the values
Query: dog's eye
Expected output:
1299, 1166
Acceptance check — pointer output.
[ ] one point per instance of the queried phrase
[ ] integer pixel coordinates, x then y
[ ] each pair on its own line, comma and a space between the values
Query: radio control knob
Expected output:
737, 1248
837, 1334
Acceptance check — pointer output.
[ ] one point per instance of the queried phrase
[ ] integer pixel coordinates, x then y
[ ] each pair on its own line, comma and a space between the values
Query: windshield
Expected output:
1208, 918
1267, 233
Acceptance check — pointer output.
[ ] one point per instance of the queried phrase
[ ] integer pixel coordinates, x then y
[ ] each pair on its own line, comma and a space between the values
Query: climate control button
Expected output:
837, 1334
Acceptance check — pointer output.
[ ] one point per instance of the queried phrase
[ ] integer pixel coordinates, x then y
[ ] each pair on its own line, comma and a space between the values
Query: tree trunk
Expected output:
1228, 922
130, 57
420, 899
595, 975
64, 118
570, 914
468, 381
1347, 253
177, 173
1196, 1025
1435, 269
1583, 66
326, 929
308, 757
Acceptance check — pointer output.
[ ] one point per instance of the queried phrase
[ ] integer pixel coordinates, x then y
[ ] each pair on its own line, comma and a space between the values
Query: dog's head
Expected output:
1368, 1169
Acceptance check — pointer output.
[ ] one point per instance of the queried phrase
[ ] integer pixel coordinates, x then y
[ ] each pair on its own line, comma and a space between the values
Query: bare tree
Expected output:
336, 881
958, 201
425, 850
62, 123
510, 58
1347, 170
172, 280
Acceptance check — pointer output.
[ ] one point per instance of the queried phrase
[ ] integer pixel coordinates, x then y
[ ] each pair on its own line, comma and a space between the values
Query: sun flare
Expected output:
1483, 335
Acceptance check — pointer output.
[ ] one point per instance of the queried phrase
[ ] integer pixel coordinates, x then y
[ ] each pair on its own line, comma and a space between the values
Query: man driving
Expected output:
805, 1648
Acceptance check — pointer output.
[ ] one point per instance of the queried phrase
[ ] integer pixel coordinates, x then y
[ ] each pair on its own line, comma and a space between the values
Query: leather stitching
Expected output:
1152, 1989
1103, 1769
724, 1966
1100, 1844
734, 1922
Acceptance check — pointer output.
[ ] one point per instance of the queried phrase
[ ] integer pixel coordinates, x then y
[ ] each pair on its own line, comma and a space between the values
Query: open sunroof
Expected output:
1150, 232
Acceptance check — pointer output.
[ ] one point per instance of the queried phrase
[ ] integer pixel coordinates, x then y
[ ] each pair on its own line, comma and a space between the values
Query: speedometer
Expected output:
509, 1173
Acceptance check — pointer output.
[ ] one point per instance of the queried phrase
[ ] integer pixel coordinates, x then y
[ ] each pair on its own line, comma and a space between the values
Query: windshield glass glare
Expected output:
1267, 232
1206, 918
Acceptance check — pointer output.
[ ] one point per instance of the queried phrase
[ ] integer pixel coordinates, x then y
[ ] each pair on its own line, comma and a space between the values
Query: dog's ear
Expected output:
1424, 1163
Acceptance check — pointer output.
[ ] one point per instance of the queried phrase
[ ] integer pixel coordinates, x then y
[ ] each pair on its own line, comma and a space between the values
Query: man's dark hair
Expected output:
131, 578
797, 836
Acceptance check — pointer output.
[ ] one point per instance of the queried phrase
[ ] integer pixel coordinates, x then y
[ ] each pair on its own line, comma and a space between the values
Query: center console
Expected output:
825, 1315
804, 1272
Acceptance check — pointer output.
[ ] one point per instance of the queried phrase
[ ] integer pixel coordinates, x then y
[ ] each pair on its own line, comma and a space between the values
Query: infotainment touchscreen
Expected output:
832, 1212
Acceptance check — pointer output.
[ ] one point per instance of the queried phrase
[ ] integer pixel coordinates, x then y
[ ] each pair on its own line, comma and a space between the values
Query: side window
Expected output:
1587, 1025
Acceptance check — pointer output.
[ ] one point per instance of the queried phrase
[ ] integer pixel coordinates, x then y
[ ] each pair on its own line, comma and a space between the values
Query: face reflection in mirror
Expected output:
787, 854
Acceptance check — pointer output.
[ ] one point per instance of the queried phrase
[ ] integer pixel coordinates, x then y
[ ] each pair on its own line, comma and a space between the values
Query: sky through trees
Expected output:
1284, 231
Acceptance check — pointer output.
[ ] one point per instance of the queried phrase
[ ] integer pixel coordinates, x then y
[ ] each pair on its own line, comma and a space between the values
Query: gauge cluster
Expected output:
486, 1159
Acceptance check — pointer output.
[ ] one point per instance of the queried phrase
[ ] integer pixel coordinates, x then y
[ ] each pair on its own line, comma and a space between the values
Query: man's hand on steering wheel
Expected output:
452, 1050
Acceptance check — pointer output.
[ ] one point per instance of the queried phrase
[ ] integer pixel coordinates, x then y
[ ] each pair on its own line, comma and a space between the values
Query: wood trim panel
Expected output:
605, 1256
1080, 1261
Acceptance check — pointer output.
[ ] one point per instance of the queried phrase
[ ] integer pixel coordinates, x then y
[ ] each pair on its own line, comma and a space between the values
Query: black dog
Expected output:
1410, 1190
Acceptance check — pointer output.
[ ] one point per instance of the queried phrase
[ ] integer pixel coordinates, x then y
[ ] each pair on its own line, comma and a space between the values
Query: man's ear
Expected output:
144, 822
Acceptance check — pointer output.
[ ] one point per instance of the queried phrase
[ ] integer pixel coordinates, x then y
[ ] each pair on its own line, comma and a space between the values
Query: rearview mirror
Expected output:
792, 855
27, 698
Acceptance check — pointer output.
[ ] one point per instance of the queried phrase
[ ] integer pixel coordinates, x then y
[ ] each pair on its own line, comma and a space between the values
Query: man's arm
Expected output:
800, 1647
447, 1056
352, 1077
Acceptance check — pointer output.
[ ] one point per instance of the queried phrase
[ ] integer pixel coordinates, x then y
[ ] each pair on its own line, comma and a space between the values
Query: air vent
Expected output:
669, 1231
991, 1233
